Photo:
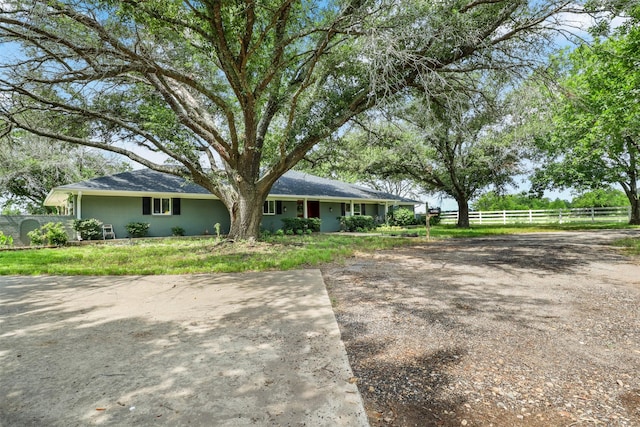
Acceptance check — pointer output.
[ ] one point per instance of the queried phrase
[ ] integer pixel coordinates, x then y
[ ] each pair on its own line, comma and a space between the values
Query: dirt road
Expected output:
532, 330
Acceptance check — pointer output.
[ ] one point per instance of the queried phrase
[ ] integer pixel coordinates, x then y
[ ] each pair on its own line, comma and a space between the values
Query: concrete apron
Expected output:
233, 350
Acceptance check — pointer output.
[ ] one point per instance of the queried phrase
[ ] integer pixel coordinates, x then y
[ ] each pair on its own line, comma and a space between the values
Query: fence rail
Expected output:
531, 216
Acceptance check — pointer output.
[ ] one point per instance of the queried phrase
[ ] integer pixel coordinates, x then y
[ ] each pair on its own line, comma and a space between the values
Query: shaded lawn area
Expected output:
208, 255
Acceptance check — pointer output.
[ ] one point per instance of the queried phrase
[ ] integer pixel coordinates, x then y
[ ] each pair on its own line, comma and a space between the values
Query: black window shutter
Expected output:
146, 206
279, 207
343, 209
175, 206
362, 210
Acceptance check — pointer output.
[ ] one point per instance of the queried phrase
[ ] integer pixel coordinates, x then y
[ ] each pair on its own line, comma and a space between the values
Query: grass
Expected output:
188, 256
206, 255
630, 246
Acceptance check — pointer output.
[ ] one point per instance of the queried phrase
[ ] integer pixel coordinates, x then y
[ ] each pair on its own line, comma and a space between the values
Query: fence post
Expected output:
504, 217
593, 216
530, 216
480, 217
559, 216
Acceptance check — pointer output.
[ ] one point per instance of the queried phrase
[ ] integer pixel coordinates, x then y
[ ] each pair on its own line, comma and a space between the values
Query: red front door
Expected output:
313, 209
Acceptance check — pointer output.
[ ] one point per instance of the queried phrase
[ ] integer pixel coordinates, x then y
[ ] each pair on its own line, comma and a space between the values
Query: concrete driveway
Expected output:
235, 350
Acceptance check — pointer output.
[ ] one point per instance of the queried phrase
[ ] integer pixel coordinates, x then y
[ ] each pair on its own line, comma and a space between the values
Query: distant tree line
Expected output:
600, 198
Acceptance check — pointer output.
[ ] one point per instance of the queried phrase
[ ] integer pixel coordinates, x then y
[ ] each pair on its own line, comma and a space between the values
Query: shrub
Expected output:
89, 229
434, 220
177, 231
5, 240
403, 217
137, 229
300, 224
357, 223
279, 232
265, 234
52, 233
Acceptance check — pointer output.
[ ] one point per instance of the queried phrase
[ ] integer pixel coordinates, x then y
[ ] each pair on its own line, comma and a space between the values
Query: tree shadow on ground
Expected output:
170, 350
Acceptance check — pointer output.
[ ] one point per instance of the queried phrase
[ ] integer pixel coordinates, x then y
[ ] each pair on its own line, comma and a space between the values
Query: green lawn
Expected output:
206, 255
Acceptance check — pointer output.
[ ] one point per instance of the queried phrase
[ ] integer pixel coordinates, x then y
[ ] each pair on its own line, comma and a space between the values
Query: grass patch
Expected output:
206, 255
450, 231
630, 245
189, 256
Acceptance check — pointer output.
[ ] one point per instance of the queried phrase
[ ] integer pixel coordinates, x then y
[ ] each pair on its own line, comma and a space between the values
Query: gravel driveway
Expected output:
532, 329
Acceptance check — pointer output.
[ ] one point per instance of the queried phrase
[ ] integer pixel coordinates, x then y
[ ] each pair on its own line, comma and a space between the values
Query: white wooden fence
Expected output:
619, 214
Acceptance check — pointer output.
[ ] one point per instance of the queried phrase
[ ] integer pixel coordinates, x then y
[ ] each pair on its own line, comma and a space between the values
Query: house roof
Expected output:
292, 184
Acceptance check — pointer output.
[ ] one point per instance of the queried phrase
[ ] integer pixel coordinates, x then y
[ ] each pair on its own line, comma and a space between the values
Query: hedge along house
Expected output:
165, 201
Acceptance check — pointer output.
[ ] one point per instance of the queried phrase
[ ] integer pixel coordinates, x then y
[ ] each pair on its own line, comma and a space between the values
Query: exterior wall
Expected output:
18, 226
196, 215
274, 222
329, 214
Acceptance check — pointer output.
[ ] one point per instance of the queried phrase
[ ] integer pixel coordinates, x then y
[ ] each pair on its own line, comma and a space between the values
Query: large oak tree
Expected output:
595, 137
236, 92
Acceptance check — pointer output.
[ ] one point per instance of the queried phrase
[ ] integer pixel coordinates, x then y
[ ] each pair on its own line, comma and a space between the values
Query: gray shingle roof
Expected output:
144, 180
291, 184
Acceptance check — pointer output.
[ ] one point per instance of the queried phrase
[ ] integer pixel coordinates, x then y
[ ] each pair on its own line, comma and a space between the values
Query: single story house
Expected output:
166, 201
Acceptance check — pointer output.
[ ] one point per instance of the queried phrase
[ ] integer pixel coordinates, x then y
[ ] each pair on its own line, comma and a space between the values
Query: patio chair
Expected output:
107, 230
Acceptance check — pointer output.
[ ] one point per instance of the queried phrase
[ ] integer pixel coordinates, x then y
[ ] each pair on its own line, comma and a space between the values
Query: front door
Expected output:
313, 209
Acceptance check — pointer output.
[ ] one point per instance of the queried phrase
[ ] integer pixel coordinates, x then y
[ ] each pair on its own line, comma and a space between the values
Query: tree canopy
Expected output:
600, 198
236, 92
31, 166
595, 138
494, 201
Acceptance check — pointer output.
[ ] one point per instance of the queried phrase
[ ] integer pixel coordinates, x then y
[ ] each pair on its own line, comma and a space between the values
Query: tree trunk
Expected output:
632, 186
463, 213
635, 211
245, 211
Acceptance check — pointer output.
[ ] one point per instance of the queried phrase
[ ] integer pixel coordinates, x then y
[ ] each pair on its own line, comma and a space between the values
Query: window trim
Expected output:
269, 207
153, 206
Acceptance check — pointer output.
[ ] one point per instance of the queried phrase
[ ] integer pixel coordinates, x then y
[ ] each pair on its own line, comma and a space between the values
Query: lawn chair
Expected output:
107, 230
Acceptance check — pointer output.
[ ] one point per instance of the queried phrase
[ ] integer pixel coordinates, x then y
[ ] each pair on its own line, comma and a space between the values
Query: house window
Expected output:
161, 206
356, 209
269, 207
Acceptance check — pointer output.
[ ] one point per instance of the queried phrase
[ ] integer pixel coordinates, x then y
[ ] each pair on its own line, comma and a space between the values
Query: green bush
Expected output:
357, 223
52, 233
137, 229
5, 240
403, 217
434, 220
177, 231
89, 229
300, 224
